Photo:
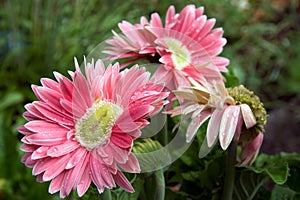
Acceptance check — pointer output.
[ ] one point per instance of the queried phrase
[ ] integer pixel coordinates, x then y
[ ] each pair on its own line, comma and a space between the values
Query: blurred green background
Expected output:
39, 37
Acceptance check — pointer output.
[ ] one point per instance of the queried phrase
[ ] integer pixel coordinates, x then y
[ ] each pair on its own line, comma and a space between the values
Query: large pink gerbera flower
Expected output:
186, 45
230, 117
82, 130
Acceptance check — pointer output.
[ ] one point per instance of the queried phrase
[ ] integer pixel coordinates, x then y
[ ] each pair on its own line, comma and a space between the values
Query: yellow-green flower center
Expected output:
181, 56
94, 128
242, 95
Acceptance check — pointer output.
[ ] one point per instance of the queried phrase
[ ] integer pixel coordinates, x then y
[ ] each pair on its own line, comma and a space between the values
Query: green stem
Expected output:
160, 185
230, 172
166, 133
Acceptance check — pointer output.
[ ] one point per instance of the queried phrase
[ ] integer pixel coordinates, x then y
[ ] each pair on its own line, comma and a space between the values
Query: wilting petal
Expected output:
214, 127
228, 125
195, 124
250, 151
248, 116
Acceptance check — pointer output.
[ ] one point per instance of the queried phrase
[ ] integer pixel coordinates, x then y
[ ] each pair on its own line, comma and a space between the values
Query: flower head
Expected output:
186, 46
231, 117
82, 130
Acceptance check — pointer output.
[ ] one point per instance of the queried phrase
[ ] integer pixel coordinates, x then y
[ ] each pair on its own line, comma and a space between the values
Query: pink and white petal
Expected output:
100, 174
53, 115
251, 150
85, 182
46, 139
119, 155
26, 159
248, 116
82, 89
131, 165
55, 168
170, 17
140, 111
63, 149
40, 126
42, 165
56, 183
67, 184
122, 181
228, 125
122, 140
214, 127
78, 155
22, 129
49, 83
78, 171
220, 62
195, 124
50, 97
32, 113
66, 88
28, 147
39, 153
156, 21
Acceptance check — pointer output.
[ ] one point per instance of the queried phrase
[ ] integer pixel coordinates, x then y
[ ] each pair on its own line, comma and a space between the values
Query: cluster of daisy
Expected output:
81, 130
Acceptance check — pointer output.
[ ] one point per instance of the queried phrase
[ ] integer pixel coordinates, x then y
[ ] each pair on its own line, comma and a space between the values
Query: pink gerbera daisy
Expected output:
186, 45
82, 130
231, 117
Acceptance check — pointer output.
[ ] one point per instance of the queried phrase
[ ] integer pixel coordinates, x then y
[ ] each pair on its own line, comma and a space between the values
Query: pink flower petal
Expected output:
28, 148
119, 155
47, 139
78, 155
85, 182
39, 153
56, 167
56, 183
228, 125
122, 140
63, 149
123, 182
100, 175
50, 97
195, 124
250, 151
214, 127
131, 165
53, 115
46, 82
40, 126
248, 116
67, 184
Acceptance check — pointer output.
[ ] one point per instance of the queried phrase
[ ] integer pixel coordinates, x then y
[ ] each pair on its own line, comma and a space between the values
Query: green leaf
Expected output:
10, 99
282, 193
247, 184
275, 166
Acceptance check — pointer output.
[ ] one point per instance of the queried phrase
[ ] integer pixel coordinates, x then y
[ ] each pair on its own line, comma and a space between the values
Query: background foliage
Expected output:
38, 37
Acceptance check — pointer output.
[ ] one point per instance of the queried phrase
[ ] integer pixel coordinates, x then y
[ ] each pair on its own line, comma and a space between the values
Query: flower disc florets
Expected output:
242, 95
94, 128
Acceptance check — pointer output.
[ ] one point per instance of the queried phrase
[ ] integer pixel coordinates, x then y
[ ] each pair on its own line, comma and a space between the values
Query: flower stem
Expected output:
230, 172
160, 185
